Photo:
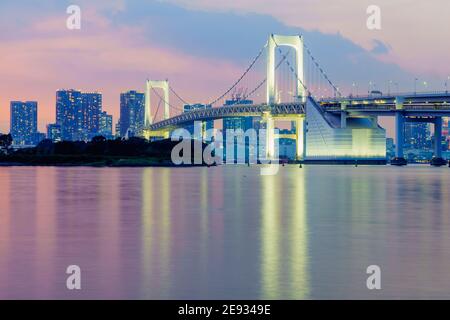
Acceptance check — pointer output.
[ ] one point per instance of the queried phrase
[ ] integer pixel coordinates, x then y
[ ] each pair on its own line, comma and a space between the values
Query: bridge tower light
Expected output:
156, 84
295, 42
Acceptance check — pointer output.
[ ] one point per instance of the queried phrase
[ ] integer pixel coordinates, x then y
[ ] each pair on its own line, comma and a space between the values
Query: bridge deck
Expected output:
245, 110
420, 105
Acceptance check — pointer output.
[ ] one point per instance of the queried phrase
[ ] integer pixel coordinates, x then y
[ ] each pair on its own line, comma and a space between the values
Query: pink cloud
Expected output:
416, 30
105, 58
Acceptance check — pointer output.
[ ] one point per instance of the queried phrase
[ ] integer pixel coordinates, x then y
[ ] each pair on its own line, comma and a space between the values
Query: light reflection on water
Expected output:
225, 232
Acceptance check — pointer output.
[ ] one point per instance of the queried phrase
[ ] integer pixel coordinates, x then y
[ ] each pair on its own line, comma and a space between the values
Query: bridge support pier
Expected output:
343, 115
399, 159
343, 119
299, 135
300, 138
437, 159
270, 137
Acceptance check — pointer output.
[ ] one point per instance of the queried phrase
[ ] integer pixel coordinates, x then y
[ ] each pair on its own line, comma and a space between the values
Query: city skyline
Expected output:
124, 49
89, 120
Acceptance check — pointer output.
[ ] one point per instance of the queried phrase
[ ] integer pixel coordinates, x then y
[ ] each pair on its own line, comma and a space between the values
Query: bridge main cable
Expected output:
335, 88
241, 77
177, 95
160, 97
284, 56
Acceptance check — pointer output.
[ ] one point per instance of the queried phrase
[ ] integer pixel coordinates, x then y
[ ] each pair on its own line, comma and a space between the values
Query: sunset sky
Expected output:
202, 46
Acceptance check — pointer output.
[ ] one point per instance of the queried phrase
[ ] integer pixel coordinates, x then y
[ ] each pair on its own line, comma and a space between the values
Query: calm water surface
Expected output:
226, 232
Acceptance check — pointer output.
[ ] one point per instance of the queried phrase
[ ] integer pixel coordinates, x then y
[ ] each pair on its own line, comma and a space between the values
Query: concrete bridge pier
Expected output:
299, 135
270, 137
399, 159
343, 115
300, 138
437, 159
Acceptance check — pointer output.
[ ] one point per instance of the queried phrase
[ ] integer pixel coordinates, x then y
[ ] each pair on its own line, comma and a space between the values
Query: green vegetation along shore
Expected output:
99, 152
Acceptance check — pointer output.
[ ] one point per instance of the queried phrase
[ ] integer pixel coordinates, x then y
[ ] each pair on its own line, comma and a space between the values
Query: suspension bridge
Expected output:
295, 88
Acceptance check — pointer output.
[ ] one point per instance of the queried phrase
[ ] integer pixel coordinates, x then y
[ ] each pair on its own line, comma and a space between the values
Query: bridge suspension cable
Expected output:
319, 69
160, 97
291, 68
327, 79
265, 79
177, 95
157, 109
241, 77
312, 64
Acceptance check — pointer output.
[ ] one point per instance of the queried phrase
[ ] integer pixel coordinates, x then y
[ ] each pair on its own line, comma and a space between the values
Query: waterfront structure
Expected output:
342, 137
54, 132
132, 113
23, 122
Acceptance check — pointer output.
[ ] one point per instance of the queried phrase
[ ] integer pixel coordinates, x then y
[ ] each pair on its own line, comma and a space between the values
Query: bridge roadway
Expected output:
243, 110
414, 105
435, 104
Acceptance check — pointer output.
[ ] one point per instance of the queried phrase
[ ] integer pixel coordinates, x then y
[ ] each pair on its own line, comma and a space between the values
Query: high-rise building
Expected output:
69, 114
106, 124
132, 113
417, 135
24, 122
78, 114
54, 132
91, 113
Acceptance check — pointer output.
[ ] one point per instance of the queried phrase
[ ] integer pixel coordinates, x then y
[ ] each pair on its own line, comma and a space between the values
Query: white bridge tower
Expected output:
295, 42
153, 84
